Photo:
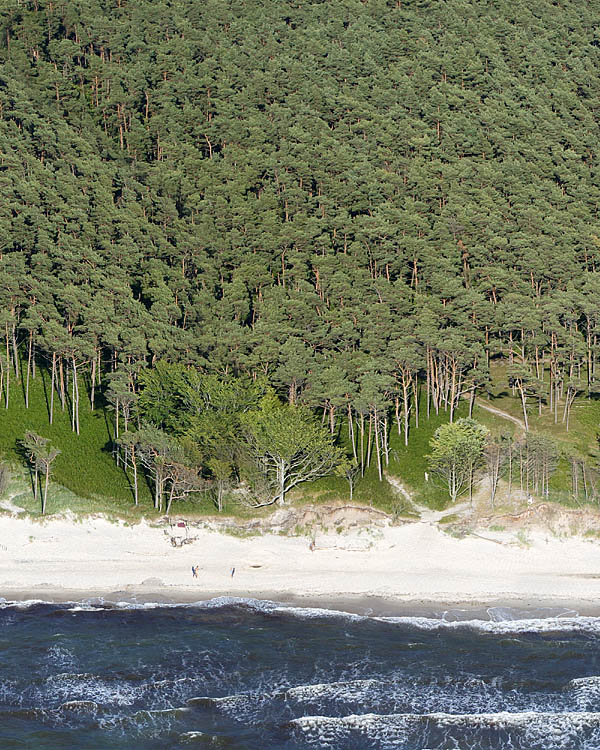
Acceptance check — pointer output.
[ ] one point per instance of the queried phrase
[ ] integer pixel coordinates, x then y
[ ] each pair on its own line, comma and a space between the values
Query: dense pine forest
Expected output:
330, 222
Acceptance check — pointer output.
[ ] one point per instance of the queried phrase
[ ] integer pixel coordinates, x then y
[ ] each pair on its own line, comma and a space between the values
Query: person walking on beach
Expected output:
232, 572
195, 571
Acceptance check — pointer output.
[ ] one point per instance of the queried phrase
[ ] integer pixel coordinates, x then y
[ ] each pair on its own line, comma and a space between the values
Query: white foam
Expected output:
61, 657
309, 613
69, 687
511, 624
21, 604
502, 621
146, 722
248, 708
215, 603
84, 608
586, 692
344, 690
393, 695
501, 719
534, 729
502, 627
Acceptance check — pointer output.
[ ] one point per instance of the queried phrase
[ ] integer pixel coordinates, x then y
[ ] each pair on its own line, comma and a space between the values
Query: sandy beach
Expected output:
384, 569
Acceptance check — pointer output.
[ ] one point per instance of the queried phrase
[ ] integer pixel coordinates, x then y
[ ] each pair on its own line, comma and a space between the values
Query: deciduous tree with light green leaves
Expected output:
456, 452
289, 447
41, 455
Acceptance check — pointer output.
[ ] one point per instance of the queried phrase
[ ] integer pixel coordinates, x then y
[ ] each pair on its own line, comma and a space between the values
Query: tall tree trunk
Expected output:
362, 444
29, 355
351, 432
61, 377
281, 482
6, 384
45, 490
73, 405
52, 382
588, 339
8, 358
135, 475
435, 385
116, 442
75, 398
15, 353
565, 416
386, 442
170, 500
453, 487
93, 383
7, 376
428, 387
158, 489
524, 405
453, 393
406, 397
416, 397
378, 446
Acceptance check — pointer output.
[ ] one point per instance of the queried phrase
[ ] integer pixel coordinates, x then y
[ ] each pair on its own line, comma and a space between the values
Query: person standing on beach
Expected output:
195, 571
232, 572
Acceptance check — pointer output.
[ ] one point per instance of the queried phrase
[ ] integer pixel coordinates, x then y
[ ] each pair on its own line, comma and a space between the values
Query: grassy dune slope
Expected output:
86, 479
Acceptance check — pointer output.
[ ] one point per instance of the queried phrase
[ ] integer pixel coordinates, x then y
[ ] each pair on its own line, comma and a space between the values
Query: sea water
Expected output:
231, 673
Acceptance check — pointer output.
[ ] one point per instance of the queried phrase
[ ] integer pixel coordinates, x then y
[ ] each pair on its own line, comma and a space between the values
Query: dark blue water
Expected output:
236, 674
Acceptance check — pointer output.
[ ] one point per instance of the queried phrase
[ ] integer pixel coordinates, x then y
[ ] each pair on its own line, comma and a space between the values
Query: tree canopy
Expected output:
352, 203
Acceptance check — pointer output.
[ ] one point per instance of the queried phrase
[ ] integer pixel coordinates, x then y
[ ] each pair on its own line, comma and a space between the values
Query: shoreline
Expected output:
413, 569
363, 604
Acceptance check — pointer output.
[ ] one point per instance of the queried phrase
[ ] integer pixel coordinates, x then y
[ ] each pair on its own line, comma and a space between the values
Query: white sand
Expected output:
411, 563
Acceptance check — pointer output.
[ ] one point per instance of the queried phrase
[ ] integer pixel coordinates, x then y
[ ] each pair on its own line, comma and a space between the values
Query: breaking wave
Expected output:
528, 731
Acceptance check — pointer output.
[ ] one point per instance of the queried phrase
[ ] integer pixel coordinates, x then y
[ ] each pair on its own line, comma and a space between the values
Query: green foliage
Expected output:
456, 452
289, 446
195, 210
410, 462
164, 395
85, 465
